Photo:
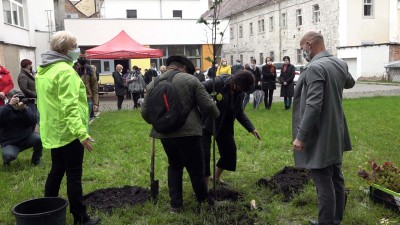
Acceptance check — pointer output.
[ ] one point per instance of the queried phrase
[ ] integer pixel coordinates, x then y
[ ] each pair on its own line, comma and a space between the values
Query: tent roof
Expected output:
122, 46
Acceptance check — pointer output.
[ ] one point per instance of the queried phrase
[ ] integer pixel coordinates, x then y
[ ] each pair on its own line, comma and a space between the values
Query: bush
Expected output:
386, 175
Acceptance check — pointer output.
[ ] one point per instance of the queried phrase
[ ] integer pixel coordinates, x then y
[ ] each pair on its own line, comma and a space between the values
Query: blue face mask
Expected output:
74, 54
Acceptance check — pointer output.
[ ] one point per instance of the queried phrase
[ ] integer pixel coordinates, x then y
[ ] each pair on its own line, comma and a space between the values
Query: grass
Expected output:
122, 157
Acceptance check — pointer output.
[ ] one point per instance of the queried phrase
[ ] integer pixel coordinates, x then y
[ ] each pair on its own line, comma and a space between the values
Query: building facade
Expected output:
352, 30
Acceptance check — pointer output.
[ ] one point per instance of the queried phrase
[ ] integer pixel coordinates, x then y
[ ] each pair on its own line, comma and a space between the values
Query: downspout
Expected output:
279, 31
160, 9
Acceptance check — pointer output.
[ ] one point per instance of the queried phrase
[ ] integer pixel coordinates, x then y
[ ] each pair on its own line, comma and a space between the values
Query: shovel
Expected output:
153, 183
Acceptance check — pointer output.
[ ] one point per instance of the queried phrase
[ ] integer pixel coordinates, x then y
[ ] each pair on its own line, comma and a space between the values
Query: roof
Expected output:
395, 64
122, 46
232, 7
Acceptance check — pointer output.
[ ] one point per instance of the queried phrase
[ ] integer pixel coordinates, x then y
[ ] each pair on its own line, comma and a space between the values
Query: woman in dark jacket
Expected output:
119, 85
268, 82
286, 81
230, 90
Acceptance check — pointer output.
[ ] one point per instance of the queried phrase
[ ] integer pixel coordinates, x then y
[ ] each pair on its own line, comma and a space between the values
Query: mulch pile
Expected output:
110, 198
288, 181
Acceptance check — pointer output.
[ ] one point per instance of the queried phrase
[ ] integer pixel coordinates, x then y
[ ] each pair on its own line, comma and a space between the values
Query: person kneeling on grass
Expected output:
230, 93
16, 134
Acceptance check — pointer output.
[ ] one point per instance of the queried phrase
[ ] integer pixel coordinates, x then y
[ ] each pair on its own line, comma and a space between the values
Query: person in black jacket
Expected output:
199, 75
238, 67
16, 134
286, 81
119, 85
268, 82
230, 91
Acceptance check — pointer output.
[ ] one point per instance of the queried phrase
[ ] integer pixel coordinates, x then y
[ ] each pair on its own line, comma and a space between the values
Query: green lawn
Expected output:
122, 157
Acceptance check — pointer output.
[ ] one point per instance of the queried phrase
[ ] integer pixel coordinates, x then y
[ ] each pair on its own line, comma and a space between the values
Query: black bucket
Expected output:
40, 211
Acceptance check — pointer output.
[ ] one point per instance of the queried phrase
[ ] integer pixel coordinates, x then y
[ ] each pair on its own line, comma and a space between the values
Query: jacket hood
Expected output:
3, 70
51, 57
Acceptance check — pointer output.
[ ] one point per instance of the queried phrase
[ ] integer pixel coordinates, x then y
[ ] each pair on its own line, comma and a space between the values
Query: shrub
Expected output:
386, 175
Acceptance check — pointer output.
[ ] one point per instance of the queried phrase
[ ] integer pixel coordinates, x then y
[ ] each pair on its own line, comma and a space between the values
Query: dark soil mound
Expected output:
288, 181
110, 198
224, 193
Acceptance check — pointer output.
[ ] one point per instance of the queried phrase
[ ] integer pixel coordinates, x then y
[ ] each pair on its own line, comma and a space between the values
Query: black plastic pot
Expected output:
40, 211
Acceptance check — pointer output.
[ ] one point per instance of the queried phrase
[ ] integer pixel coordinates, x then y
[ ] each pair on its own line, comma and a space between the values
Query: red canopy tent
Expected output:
122, 47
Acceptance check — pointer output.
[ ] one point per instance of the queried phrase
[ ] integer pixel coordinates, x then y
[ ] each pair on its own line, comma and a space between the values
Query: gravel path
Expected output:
109, 101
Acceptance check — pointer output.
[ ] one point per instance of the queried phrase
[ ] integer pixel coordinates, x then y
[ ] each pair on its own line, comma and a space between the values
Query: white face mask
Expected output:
307, 55
74, 54
224, 63
197, 71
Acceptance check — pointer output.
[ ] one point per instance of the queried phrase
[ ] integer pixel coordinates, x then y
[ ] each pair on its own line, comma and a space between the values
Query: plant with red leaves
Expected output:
386, 175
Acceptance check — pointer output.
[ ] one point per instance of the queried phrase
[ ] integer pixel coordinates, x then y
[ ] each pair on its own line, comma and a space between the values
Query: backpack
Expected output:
164, 109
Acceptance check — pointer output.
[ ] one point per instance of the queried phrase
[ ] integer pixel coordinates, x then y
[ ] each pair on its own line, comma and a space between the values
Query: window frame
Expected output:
299, 54
261, 55
134, 11
316, 14
231, 32
240, 31
284, 20
372, 11
271, 23
299, 18
251, 29
19, 9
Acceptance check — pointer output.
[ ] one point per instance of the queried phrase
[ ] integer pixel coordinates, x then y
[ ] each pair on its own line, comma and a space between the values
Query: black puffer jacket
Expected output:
228, 104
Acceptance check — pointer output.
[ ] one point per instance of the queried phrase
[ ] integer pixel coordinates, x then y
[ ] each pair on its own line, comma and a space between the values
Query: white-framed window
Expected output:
261, 58
241, 58
271, 23
231, 32
299, 18
284, 20
13, 11
272, 55
299, 56
177, 14
251, 28
107, 66
240, 31
368, 9
231, 59
261, 26
316, 14
131, 13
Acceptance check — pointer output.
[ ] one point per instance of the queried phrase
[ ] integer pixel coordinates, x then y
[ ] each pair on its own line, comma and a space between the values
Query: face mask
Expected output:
307, 55
74, 54
238, 63
197, 71
224, 63
82, 61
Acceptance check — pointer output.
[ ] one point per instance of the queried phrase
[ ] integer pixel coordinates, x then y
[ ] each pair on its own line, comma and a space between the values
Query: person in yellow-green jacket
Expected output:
63, 108
224, 68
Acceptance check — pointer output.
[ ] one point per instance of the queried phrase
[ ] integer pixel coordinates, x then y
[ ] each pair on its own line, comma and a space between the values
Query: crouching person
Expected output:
16, 134
182, 144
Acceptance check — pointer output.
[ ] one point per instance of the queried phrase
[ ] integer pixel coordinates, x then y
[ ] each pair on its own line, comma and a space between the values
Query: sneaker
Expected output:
178, 210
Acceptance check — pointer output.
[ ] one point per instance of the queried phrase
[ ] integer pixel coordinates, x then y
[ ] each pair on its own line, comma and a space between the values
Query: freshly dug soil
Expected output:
225, 194
288, 181
110, 198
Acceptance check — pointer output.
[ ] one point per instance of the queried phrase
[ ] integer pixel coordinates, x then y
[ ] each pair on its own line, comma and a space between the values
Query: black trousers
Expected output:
287, 101
67, 159
135, 97
268, 95
185, 152
227, 151
329, 183
119, 102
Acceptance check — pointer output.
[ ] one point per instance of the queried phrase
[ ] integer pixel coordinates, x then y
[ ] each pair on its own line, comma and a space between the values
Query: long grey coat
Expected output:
318, 117
193, 96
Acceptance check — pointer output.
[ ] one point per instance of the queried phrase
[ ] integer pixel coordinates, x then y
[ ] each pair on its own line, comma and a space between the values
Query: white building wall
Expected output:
282, 41
145, 32
155, 9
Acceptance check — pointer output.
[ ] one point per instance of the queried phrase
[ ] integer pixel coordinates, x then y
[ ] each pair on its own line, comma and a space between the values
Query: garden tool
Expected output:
153, 183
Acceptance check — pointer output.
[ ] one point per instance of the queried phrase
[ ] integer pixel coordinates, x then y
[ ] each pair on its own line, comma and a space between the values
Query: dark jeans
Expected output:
246, 100
67, 159
268, 95
227, 151
119, 102
10, 152
135, 97
185, 152
287, 101
329, 183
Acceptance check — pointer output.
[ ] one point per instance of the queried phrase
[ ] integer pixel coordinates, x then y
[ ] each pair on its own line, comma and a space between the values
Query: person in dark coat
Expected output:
199, 75
119, 85
286, 81
26, 82
230, 91
150, 74
319, 127
236, 68
268, 82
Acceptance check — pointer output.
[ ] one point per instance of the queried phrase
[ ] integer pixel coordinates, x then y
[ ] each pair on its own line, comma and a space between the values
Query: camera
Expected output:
25, 100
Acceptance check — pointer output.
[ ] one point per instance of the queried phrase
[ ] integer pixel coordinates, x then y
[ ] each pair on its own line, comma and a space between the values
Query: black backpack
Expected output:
164, 109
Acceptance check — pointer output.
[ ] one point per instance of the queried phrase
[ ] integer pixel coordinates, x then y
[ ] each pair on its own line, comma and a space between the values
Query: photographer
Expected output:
16, 134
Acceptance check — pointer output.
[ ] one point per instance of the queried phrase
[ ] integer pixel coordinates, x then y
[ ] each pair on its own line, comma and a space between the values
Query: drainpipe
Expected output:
279, 31
160, 9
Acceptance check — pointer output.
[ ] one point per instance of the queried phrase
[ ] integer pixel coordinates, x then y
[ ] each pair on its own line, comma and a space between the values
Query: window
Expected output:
231, 32
261, 27
316, 14
299, 56
272, 55
299, 18
13, 11
131, 13
241, 58
251, 28
231, 59
177, 14
284, 22
368, 8
107, 66
240, 31
261, 58
271, 23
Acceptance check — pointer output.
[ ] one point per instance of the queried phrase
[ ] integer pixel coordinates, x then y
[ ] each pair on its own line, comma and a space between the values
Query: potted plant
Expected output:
384, 181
